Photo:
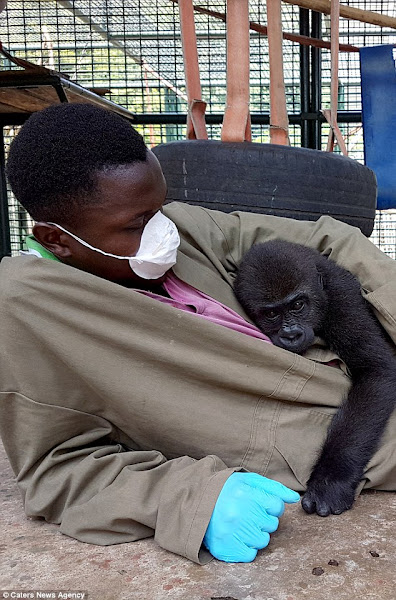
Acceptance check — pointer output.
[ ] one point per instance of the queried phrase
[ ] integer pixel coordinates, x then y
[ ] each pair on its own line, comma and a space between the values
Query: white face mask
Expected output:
157, 251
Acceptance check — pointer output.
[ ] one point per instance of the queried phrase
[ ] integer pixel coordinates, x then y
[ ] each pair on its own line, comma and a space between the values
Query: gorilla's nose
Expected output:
291, 335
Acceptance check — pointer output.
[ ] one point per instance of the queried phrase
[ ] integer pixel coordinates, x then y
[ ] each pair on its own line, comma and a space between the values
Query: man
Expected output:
135, 394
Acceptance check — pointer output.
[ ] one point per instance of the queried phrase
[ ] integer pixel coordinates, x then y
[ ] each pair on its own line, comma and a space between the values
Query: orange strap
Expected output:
196, 126
331, 115
236, 123
279, 122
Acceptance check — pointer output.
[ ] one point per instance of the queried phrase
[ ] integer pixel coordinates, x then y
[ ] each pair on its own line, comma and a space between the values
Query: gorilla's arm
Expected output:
292, 292
354, 434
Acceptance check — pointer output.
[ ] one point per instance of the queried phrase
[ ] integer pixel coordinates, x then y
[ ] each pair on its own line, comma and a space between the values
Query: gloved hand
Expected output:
246, 512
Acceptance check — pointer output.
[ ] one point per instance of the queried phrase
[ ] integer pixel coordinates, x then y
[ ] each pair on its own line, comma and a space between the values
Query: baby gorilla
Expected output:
293, 293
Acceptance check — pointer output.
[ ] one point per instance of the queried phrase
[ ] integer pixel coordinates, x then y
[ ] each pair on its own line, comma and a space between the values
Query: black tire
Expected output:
277, 180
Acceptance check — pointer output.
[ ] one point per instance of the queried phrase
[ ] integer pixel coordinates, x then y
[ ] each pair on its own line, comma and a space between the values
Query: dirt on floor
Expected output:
339, 557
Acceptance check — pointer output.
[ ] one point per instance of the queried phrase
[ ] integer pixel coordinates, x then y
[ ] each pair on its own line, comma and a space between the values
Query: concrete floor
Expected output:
297, 565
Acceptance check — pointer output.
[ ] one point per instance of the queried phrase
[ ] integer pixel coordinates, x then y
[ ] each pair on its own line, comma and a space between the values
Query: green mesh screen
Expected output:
132, 49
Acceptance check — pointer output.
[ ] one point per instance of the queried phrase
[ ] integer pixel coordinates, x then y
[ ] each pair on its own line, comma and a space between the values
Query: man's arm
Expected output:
70, 472
226, 237
100, 386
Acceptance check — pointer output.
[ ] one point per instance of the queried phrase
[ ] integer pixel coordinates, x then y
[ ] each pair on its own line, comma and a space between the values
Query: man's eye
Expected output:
137, 225
141, 222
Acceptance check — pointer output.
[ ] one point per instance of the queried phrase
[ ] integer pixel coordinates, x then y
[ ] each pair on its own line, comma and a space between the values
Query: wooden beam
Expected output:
348, 12
293, 37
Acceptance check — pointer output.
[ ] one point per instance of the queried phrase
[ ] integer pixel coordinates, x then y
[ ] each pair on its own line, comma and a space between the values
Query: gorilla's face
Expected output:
284, 297
292, 322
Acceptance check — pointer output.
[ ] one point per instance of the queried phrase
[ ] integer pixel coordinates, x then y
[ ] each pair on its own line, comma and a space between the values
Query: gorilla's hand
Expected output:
326, 497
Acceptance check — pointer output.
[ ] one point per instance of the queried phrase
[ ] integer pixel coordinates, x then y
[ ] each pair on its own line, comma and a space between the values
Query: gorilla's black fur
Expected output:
292, 293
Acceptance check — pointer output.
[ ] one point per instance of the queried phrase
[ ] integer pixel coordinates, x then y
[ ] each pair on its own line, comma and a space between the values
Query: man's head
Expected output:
88, 170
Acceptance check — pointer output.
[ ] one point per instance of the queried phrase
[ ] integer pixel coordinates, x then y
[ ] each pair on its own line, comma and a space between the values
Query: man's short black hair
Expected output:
53, 160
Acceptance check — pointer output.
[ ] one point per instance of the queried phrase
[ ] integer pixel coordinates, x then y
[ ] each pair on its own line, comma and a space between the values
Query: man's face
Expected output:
125, 199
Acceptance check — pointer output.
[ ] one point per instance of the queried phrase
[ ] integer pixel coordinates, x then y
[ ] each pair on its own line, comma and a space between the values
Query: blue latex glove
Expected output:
246, 512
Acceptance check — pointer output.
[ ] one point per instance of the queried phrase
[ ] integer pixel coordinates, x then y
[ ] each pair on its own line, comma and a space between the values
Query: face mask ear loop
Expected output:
89, 245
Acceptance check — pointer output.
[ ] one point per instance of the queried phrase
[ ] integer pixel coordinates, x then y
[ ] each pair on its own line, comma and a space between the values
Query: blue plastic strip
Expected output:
378, 71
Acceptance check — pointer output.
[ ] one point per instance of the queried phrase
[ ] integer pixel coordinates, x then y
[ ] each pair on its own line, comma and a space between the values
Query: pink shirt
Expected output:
187, 298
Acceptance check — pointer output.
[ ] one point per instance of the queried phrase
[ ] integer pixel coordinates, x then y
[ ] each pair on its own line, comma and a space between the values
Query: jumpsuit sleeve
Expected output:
230, 235
71, 472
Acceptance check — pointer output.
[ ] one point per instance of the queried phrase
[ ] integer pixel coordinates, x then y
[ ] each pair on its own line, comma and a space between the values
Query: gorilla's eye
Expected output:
298, 305
271, 315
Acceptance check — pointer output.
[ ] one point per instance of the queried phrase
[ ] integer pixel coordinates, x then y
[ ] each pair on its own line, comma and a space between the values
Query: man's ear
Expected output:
53, 239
